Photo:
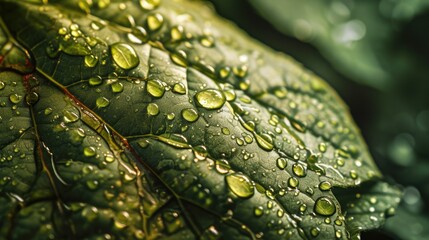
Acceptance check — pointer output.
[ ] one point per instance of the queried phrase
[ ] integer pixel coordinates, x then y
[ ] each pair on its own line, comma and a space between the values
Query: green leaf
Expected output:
141, 119
358, 38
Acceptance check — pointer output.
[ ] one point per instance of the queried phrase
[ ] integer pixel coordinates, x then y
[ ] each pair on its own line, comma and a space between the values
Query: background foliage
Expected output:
381, 73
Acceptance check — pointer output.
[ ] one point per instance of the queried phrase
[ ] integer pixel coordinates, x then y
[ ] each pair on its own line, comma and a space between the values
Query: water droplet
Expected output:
149, 4
117, 87
240, 185
92, 184
89, 151
293, 182
179, 88
280, 92
154, 22
180, 58
258, 211
124, 55
281, 163
324, 206
176, 33
94, 81
48, 111
210, 99
230, 95
299, 170
122, 220
155, 88
315, 231
138, 35
90, 60
70, 117
190, 114
264, 141
2, 85
152, 109
109, 158
325, 186
322, 147
15, 98
225, 131
222, 166
353, 174
171, 116
240, 71
224, 72
31, 98
102, 102
207, 41
299, 126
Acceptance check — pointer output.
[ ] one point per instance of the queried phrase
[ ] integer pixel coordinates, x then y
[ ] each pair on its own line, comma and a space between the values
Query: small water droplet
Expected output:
2, 85
299, 170
179, 88
90, 60
325, 186
171, 116
138, 35
180, 58
176, 33
240, 185
222, 166
149, 4
124, 55
190, 114
258, 211
15, 98
315, 231
281, 163
31, 98
122, 220
152, 109
210, 99
264, 141
155, 88
154, 22
95, 81
117, 87
89, 151
207, 41
293, 182
102, 102
324, 206
70, 117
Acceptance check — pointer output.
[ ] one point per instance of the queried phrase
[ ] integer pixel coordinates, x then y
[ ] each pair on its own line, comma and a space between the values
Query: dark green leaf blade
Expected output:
148, 122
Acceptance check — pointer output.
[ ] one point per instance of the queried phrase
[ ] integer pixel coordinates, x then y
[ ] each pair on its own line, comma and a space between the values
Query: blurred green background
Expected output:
375, 53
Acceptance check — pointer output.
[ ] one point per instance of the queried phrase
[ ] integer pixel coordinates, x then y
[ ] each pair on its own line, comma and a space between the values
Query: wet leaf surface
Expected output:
148, 119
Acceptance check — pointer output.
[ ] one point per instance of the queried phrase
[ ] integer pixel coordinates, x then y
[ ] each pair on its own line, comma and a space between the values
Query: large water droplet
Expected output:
240, 185
155, 88
190, 114
324, 206
124, 55
210, 99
